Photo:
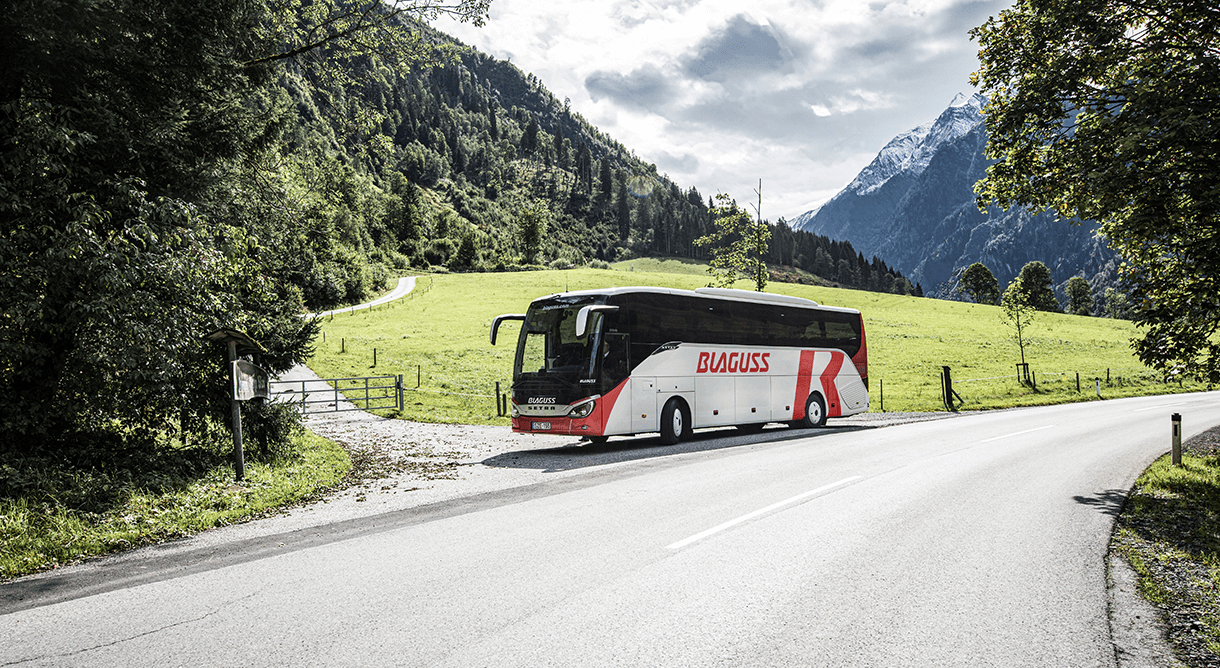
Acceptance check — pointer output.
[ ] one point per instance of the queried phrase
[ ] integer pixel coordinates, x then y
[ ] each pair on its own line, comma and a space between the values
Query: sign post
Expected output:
239, 456
246, 381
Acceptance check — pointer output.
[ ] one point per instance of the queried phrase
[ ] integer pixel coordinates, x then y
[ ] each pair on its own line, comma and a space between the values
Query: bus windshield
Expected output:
548, 345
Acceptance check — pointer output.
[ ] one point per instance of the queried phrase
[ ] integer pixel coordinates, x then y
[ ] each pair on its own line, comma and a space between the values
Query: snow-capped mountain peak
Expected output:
915, 206
910, 151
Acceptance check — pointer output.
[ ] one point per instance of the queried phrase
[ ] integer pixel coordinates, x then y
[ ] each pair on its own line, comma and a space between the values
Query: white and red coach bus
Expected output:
599, 363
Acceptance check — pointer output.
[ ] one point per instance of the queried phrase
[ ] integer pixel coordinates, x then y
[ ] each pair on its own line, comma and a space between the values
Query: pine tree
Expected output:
623, 202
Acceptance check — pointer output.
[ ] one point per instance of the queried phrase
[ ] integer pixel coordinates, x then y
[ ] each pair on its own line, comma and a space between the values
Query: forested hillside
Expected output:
473, 165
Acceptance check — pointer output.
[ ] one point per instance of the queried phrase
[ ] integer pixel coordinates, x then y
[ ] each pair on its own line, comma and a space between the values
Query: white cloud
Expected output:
861, 100
800, 93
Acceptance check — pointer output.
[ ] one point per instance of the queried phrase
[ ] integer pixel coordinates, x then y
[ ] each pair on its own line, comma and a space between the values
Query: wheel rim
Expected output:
677, 423
815, 411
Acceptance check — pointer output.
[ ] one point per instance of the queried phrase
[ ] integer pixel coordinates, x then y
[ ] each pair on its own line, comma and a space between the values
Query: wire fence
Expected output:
940, 390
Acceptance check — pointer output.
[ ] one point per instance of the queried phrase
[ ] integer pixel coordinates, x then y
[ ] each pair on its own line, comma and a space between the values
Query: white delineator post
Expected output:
1177, 439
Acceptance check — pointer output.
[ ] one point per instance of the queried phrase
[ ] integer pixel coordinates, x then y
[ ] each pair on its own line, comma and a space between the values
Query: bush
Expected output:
377, 276
439, 251
269, 428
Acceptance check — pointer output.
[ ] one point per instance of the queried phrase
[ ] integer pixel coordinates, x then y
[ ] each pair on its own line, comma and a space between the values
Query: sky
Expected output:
720, 95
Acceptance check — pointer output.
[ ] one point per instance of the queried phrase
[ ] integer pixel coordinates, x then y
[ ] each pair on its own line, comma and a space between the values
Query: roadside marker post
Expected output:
1176, 419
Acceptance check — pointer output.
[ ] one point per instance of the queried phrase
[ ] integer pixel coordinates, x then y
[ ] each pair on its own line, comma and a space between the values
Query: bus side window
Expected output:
616, 363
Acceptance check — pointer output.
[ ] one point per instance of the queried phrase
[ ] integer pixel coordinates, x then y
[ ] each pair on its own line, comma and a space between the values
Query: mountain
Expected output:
914, 205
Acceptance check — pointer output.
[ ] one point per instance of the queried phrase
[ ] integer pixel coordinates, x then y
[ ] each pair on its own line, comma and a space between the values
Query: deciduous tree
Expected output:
1080, 296
532, 222
1110, 110
1118, 304
738, 245
980, 284
1034, 282
1017, 313
133, 138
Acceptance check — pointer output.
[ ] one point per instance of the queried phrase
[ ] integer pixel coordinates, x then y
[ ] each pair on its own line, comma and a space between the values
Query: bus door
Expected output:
616, 361
644, 405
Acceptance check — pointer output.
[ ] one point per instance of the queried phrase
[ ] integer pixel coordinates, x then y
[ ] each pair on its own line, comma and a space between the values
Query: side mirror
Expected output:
583, 315
495, 324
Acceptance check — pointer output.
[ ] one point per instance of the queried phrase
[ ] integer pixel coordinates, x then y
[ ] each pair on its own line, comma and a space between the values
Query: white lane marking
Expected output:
762, 511
1160, 406
1019, 433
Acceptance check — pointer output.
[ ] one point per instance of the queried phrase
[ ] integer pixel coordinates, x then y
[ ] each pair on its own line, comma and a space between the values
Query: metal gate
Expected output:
327, 395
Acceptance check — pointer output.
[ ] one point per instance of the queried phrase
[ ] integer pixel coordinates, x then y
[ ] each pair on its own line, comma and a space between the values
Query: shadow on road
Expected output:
584, 454
1109, 502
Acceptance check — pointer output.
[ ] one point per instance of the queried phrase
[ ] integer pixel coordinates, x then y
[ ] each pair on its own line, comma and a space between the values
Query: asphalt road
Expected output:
975, 541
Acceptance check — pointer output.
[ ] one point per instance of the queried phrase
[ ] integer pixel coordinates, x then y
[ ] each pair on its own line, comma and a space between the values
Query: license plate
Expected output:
540, 426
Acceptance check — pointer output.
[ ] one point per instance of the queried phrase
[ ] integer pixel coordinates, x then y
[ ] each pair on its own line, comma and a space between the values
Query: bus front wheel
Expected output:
675, 421
815, 411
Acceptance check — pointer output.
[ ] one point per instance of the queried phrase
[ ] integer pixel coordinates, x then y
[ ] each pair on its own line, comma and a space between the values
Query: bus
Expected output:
637, 360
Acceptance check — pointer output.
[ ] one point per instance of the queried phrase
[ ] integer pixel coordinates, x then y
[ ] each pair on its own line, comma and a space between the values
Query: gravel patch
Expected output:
1206, 444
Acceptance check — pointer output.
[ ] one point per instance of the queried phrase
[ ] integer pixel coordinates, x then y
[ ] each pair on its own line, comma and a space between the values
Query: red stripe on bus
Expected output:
804, 377
606, 404
829, 390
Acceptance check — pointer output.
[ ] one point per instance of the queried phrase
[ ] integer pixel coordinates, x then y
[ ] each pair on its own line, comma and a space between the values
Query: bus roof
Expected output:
709, 293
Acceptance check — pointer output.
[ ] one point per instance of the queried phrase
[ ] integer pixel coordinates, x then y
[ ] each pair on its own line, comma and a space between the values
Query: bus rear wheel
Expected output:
675, 421
815, 412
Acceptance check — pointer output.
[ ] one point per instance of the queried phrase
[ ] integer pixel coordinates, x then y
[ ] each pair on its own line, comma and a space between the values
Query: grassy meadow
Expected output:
438, 337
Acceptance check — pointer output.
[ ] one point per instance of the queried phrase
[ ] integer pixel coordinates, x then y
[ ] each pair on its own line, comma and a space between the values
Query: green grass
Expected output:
53, 515
442, 330
1170, 533
664, 265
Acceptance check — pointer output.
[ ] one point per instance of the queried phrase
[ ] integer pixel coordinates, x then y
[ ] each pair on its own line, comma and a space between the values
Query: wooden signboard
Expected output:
249, 381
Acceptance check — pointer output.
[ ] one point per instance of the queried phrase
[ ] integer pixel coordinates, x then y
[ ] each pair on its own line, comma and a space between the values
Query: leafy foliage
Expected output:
1080, 296
1108, 110
1118, 305
142, 180
531, 229
980, 284
1018, 313
745, 245
1035, 284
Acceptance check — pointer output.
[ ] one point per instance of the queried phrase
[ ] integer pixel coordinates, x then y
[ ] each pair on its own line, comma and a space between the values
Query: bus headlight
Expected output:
582, 410
516, 413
